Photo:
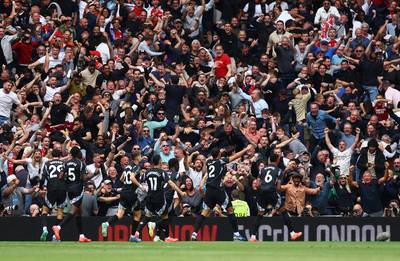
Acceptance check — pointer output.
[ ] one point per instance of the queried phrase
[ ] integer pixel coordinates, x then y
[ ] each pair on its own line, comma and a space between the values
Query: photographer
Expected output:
13, 196
393, 210
108, 199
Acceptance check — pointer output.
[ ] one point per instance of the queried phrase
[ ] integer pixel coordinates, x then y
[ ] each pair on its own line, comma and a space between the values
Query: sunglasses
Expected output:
146, 130
164, 145
136, 148
160, 113
359, 51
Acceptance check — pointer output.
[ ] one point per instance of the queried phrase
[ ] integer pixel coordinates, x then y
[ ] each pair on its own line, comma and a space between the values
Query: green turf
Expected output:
192, 251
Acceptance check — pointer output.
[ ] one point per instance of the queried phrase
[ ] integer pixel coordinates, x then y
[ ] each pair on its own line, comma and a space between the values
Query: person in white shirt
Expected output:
195, 171
7, 99
284, 6
97, 170
341, 155
51, 88
324, 12
55, 58
391, 93
192, 18
258, 103
258, 8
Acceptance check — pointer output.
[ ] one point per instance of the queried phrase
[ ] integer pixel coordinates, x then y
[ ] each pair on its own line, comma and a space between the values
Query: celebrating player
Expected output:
215, 193
53, 181
156, 206
75, 170
267, 196
128, 198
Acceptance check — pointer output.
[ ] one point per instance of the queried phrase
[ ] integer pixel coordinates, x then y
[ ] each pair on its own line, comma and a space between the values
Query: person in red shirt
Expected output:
23, 49
222, 63
380, 108
138, 8
155, 12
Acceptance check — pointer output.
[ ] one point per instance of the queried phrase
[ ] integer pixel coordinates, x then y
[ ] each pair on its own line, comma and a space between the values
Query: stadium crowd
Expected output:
312, 87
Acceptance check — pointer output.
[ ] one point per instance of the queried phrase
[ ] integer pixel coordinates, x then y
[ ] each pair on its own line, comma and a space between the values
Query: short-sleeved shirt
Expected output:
52, 175
155, 179
6, 102
269, 177
216, 172
74, 171
221, 65
129, 170
342, 159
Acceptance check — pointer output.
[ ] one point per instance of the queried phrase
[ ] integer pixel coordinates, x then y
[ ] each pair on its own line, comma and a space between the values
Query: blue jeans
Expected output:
372, 93
4, 120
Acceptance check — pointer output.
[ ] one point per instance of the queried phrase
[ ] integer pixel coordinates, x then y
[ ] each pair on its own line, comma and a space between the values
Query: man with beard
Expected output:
90, 74
195, 171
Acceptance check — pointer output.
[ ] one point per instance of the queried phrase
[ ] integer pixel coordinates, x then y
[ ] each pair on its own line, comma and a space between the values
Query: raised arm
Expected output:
328, 140
240, 153
350, 178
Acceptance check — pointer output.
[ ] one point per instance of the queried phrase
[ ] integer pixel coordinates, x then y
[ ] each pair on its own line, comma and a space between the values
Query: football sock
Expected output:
142, 223
198, 223
66, 219
78, 220
134, 227
256, 225
232, 219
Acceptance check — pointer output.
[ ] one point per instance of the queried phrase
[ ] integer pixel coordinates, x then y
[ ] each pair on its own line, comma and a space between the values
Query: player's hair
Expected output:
273, 157
215, 152
56, 153
156, 159
75, 152
173, 164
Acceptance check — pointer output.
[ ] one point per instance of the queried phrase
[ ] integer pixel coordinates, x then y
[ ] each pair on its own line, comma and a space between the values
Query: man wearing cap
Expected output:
13, 196
295, 197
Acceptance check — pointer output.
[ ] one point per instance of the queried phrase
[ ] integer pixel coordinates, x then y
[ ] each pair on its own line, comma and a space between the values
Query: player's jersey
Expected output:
129, 170
155, 180
216, 172
269, 177
53, 175
174, 176
74, 172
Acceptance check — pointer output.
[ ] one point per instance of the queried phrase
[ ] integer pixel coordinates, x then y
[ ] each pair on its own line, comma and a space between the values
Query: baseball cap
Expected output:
324, 42
295, 174
231, 81
11, 178
107, 181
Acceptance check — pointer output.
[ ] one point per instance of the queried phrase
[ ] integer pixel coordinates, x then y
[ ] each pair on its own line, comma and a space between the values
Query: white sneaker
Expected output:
157, 239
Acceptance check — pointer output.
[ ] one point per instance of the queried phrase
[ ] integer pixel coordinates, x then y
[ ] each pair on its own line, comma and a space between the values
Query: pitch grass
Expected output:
193, 251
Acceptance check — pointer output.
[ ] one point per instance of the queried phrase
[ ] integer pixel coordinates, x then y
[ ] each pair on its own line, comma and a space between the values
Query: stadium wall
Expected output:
214, 229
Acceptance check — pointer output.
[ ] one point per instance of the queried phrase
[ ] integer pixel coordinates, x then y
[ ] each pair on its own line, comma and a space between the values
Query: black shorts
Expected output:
56, 198
128, 200
267, 200
216, 197
170, 203
156, 207
75, 197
